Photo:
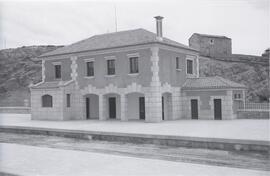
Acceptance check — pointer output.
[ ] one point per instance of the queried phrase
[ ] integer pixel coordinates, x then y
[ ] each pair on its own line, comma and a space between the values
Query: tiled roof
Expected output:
50, 85
112, 40
214, 36
210, 83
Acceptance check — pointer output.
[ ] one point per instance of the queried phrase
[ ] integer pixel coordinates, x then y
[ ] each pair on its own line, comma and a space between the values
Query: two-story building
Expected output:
130, 75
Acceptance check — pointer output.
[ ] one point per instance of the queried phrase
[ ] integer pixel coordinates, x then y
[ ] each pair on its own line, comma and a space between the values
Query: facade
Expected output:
130, 75
211, 45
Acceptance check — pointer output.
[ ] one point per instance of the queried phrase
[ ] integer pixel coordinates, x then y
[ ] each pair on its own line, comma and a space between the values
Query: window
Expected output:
133, 65
211, 41
46, 101
90, 68
57, 69
68, 100
189, 66
237, 96
177, 59
111, 67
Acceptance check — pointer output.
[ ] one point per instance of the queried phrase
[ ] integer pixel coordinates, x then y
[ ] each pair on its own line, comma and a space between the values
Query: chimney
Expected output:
159, 27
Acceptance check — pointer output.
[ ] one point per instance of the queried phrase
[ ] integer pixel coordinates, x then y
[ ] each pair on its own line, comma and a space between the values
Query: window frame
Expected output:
192, 67
212, 41
112, 68
90, 71
68, 100
55, 70
46, 103
237, 96
177, 63
133, 69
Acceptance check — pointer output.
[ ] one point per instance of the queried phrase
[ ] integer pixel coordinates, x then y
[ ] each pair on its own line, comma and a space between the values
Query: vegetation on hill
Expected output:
254, 73
18, 69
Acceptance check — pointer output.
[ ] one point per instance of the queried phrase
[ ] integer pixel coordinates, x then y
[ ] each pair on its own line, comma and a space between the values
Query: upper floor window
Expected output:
134, 65
90, 68
68, 100
57, 71
211, 41
111, 66
189, 66
177, 60
46, 101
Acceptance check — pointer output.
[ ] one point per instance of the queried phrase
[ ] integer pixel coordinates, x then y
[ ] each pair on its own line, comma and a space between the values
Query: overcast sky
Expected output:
24, 23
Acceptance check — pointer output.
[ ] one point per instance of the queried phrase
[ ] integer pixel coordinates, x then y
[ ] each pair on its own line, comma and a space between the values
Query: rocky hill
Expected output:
18, 69
252, 71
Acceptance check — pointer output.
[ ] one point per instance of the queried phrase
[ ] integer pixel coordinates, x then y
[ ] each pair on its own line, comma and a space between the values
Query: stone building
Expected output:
130, 75
211, 45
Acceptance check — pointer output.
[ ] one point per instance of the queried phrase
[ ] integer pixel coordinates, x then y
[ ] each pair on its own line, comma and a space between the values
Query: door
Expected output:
112, 107
162, 108
142, 108
87, 106
194, 108
217, 109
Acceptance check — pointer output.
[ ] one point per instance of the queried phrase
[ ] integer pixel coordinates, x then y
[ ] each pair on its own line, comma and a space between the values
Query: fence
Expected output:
255, 106
253, 111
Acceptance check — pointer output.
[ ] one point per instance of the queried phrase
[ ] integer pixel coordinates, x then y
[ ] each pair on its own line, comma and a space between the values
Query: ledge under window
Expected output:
179, 69
133, 74
190, 75
89, 77
109, 76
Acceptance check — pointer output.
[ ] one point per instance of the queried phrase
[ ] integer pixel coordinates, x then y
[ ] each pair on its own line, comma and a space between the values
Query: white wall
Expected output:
133, 106
47, 113
167, 106
93, 106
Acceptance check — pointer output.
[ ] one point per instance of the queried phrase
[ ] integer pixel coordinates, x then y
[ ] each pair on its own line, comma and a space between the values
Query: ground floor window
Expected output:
68, 100
47, 101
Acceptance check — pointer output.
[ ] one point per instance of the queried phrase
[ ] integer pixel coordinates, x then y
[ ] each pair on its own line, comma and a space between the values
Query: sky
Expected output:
24, 23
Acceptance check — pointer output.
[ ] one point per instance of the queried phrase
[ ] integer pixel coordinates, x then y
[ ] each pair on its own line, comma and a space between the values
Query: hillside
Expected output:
18, 69
250, 71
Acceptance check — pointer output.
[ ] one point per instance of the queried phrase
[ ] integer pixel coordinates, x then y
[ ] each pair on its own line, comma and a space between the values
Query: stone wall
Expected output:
211, 46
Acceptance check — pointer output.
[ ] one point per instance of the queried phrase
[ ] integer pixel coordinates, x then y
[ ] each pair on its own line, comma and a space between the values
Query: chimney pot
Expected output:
159, 27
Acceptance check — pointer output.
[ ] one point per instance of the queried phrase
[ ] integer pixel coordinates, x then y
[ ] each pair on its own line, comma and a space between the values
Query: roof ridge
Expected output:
211, 35
117, 32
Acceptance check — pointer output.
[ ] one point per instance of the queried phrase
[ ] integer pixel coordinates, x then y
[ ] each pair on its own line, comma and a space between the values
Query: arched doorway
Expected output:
91, 106
135, 106
166, 106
